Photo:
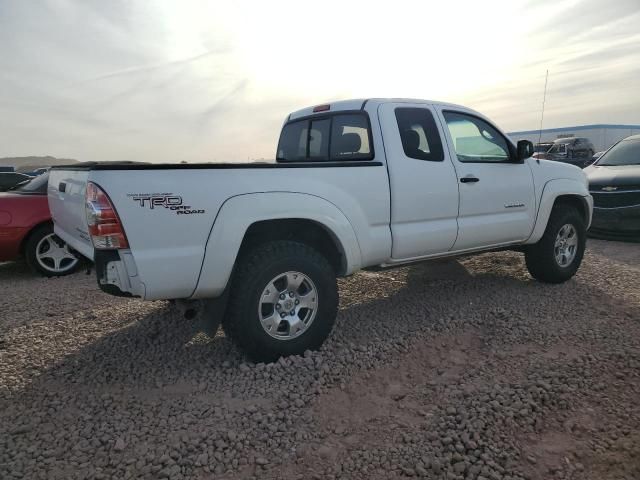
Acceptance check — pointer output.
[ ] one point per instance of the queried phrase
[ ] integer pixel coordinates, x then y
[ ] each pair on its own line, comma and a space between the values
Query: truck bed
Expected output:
184, 222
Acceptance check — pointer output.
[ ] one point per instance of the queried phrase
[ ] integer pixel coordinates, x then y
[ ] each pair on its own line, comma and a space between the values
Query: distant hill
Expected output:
27, 164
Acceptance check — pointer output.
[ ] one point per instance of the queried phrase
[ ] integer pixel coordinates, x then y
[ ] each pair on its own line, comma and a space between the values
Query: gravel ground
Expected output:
464, 369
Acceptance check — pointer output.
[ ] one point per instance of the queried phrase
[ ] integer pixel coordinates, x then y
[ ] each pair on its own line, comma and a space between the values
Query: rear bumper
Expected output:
117, 273
10, 241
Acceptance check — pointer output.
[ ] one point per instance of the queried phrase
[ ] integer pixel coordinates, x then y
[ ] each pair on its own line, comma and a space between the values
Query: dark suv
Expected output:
574, 150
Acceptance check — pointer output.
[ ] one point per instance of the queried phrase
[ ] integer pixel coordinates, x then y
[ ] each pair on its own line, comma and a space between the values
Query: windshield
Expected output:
626, 152
558, 148
36, 185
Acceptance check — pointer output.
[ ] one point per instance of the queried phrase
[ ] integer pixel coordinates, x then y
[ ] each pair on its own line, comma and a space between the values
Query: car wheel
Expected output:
283, 301
48, 255
558, 254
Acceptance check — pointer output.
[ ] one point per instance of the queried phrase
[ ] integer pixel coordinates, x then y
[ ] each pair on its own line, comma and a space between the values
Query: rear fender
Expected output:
551, 191
238, 213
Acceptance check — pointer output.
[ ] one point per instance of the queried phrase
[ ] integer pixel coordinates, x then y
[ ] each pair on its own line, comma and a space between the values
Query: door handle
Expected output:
62, 187
469, 179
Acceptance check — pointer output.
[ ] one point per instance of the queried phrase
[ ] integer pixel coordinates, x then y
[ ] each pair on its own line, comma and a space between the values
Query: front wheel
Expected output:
558, 254
283, 301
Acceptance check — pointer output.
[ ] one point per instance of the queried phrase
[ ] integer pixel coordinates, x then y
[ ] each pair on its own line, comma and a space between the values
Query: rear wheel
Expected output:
48, 255
283, 301
558, 254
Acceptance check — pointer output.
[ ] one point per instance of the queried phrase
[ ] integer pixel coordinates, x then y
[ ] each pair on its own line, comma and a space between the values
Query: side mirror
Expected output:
525, 149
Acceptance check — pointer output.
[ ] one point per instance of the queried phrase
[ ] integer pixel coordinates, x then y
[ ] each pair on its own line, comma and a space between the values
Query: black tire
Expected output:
45, 268
541, 257
253, 273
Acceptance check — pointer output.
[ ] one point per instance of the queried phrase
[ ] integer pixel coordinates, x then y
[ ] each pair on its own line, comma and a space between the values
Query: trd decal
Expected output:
169, 201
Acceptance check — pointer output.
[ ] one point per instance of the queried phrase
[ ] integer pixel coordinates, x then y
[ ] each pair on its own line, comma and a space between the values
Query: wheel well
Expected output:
299, 230
575, 201
26, 238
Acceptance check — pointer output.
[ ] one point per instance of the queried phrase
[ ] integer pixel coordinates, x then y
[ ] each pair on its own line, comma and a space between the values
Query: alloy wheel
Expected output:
288, 305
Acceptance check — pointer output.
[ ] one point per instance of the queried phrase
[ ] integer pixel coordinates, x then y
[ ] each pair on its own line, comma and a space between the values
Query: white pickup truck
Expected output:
356, 184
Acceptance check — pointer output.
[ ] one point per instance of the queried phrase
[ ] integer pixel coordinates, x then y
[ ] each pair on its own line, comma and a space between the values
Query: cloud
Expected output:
145, 69
197, 80
593, 57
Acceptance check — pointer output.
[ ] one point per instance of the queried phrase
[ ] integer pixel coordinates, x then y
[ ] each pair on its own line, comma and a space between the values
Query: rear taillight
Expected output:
104, 225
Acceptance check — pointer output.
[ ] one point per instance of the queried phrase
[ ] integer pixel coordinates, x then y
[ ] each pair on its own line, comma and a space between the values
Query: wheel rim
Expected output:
566, 245
53, 254
288, 305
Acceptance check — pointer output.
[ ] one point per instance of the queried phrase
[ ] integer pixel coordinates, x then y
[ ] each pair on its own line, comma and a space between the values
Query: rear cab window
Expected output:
338, 136
419, 134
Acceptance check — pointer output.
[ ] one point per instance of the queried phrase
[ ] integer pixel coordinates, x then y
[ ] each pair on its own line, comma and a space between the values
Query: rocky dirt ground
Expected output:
463, 369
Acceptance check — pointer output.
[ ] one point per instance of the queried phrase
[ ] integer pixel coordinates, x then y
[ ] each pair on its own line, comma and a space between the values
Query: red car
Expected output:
26, 230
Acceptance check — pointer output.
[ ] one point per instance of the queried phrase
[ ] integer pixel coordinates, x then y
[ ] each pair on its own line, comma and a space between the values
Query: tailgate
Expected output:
66, 201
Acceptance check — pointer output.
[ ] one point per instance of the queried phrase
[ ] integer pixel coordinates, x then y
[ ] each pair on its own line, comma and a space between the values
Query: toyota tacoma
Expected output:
356, 184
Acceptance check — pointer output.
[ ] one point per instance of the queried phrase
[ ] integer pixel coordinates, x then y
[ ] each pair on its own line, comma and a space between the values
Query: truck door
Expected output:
423, 182
497, 201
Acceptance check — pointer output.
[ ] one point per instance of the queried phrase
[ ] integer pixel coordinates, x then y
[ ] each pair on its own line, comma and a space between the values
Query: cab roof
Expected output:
569, 139
360, 103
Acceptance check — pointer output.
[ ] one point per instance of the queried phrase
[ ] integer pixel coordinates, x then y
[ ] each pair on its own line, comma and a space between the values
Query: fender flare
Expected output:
550, 192
238, 213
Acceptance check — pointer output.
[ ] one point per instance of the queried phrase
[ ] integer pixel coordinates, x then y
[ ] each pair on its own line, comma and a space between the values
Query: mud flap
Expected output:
206, 314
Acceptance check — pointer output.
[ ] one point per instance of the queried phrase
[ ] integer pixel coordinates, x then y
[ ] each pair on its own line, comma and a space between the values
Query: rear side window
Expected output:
419, 134
350, 138
335, 137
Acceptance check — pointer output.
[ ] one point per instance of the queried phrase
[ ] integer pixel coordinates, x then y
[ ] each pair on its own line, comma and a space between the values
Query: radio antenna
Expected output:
544, 98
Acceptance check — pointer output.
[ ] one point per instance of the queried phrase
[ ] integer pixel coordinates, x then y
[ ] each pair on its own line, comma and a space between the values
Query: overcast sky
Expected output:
212, 81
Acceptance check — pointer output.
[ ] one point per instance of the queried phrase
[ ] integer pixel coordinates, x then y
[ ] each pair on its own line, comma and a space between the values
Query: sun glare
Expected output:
422, 49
